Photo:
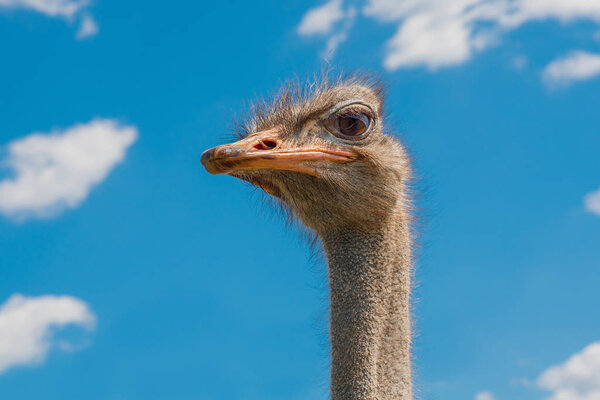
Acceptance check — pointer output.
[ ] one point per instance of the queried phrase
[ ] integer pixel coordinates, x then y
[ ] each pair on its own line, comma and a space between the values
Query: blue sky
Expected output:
128, 272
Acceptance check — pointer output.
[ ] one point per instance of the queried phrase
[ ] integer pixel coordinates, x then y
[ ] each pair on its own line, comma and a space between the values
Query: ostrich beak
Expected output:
266, 150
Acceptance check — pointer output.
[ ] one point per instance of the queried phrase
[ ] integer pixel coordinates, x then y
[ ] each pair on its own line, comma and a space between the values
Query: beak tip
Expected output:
207, 161
206, 156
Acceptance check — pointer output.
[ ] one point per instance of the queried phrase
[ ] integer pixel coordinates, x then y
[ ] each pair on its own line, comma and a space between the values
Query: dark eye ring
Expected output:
352, 125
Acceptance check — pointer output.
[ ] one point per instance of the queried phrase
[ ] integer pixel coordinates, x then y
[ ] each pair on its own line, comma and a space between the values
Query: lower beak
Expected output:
266, 150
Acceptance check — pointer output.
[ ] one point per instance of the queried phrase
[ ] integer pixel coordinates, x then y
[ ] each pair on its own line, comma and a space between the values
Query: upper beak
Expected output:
266, 150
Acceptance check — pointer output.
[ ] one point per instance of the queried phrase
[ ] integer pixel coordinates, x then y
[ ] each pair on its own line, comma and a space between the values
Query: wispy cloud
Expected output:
330, 20
520, 62
27, 325
56, 171
576, 66
439, 33
87, 28
484, 396
321, 20
52, 8
578, 378
66, 9
592, 202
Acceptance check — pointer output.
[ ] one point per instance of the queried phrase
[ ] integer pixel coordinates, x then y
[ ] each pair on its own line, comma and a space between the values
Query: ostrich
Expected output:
322, 151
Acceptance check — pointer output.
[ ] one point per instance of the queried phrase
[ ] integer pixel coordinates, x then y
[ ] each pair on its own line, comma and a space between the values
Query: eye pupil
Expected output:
352, 125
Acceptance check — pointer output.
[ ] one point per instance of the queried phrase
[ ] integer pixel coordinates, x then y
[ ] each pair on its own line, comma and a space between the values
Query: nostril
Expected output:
270, 144
266, 144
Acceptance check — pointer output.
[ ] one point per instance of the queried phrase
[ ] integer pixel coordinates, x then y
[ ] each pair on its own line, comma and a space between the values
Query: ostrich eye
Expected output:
352, 125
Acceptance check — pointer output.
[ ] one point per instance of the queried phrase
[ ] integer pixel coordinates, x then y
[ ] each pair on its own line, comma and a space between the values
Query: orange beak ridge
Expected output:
266, 150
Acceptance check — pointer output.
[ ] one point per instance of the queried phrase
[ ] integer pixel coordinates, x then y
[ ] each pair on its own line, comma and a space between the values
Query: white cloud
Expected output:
576, 379
56, 171
431, 33
332, 44
484, 396
576, 66
592, 202
321, 19
424, 40
520, 62
564, 10
27, 325
52, 8
441, 33
87, 28
340, 37
328, 19
67, 9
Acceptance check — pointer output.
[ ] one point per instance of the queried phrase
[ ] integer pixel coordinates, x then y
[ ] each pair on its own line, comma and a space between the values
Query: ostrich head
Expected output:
323, 152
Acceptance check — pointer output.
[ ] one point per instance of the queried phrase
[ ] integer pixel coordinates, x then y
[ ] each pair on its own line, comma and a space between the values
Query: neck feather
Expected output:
369, 280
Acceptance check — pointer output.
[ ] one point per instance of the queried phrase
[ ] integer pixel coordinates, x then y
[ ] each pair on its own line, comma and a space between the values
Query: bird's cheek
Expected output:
263, 184
270, 188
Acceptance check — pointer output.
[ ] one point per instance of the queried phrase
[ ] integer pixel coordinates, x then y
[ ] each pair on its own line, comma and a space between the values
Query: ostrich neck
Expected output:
369, 280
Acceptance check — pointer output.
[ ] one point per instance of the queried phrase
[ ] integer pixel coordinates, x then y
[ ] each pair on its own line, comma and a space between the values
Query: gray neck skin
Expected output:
369, 280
